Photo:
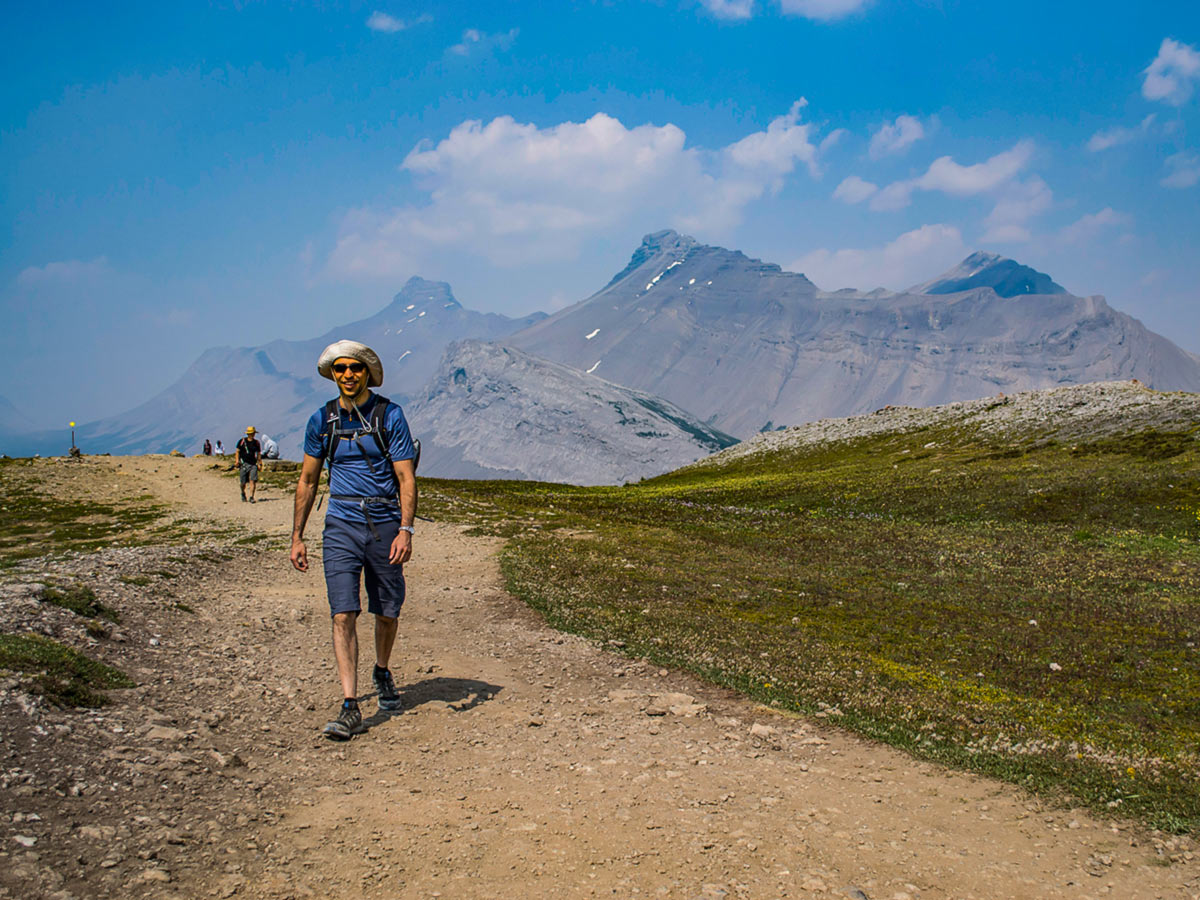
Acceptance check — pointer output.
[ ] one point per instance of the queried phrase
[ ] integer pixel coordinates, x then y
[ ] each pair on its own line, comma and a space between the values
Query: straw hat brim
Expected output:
351, 350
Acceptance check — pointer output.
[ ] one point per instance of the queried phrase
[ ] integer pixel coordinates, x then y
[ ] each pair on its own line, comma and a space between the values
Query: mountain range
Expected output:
276, 387
748, 347
685, 346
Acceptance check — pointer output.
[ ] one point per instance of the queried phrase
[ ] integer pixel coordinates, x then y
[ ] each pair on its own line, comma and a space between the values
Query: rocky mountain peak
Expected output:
1007, 277
418, 290
656, 244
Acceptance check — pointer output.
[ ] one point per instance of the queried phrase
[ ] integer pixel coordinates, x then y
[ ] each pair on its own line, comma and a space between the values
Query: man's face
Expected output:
350, 375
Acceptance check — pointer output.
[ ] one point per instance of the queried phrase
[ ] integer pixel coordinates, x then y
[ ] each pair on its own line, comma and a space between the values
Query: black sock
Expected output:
350, 703
379, 668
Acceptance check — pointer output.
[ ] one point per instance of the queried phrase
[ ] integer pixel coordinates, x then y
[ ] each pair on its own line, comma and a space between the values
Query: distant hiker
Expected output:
249, 455
207, 447
270, 449
220, 448
364, 439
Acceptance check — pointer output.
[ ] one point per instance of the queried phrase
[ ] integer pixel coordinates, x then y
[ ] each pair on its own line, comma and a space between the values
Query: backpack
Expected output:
334, 432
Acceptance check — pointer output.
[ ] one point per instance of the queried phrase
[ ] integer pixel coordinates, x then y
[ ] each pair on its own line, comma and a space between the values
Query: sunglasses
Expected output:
356, 368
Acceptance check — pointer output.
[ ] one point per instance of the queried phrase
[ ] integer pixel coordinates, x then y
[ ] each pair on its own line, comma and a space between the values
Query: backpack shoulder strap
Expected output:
329, 431
378, 428
382, 436
380, 433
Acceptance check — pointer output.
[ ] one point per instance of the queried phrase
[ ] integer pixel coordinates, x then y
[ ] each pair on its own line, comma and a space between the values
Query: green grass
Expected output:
34, 522
60, 674
135, 580
79, 599
893, 582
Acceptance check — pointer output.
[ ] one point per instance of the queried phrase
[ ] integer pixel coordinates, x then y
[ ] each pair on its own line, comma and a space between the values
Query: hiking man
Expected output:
249, 454
365, 441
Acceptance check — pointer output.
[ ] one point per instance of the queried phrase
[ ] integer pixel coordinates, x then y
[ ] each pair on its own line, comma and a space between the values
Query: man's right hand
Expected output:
299, 555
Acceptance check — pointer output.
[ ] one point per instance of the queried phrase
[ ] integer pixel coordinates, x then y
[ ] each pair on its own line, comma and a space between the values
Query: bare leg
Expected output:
345, 651
385, 637
253, 486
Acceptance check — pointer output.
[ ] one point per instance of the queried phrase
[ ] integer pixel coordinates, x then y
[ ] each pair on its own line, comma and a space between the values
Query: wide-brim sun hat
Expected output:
351, 350
250, 430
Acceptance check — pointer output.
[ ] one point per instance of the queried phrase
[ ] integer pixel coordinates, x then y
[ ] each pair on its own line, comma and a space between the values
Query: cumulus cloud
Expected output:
475, 41
1170, 77
1017, 203
907, 260
854, 190
729, 9
822, 10
896, 137
1114, 137
1088, 226
948, 177
513, 192
1184, 171
65, 272
381, 21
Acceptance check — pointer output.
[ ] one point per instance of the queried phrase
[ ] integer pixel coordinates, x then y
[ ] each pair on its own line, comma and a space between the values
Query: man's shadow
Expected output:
459, 695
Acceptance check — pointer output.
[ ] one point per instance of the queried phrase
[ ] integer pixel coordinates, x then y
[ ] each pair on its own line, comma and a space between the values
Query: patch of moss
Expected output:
59, 673
79, 599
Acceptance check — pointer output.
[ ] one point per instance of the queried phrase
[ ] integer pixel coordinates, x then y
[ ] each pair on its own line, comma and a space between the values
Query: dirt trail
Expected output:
527, 763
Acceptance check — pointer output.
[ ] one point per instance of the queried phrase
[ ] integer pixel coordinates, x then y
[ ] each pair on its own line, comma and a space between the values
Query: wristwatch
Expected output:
408, 528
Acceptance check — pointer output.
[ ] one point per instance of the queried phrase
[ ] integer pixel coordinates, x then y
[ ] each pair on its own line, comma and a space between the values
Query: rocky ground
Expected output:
1060, 414
526, 763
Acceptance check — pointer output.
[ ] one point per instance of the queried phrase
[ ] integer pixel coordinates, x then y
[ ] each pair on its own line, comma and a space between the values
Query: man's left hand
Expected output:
401, 548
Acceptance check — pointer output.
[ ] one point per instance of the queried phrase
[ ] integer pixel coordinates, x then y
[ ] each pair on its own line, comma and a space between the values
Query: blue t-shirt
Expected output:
355, 473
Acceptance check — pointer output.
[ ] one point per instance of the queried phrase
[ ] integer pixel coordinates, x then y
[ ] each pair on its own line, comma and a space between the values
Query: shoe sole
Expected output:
337, 732
391, 705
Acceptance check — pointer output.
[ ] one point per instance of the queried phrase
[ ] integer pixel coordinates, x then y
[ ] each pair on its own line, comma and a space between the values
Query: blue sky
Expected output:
179, 176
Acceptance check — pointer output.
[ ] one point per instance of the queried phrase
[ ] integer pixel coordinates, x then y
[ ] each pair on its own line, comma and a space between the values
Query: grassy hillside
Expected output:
1022, 601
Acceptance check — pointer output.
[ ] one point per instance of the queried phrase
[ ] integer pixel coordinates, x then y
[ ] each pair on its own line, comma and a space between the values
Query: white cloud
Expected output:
1088, 226
65, 272
822, 10
776, 150
1185, 171
1169, 78
948, 177
1113, 137
1017, 203
854, 190
381, 21
729, 9
907, 260
476, 41
896, 137
513, 192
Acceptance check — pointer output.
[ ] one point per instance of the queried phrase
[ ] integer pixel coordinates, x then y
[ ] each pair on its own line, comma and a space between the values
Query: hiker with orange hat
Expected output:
249, 453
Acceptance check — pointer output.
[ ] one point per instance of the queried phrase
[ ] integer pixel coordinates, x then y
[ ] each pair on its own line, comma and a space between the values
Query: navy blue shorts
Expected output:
348, 550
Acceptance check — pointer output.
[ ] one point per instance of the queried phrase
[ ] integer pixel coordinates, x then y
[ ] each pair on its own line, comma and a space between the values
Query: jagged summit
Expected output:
1006, 277
419, 291
656, 244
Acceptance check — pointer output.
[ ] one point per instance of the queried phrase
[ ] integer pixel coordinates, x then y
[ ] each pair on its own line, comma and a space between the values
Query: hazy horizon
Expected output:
179, 178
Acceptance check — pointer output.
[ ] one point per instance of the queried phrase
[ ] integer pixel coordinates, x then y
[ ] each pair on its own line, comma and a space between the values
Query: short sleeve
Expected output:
313, 445
400, 444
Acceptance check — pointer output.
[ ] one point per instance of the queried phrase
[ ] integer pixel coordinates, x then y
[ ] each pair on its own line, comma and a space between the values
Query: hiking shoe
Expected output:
251, 499
389, 697
347, 724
